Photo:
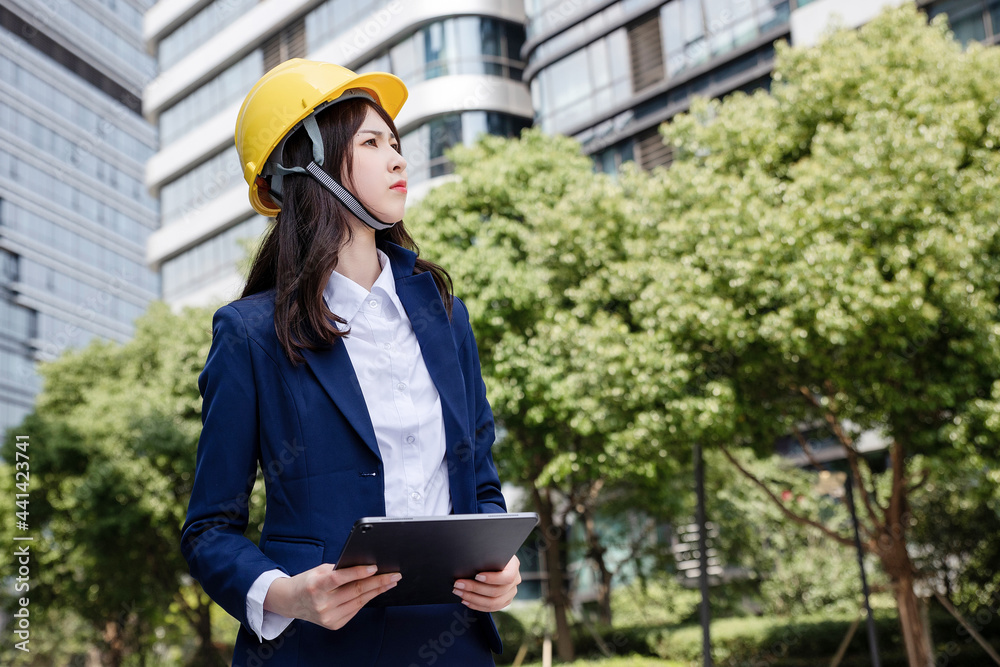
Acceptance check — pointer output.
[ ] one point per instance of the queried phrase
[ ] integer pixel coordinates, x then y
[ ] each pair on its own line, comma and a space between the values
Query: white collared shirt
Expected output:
403, 404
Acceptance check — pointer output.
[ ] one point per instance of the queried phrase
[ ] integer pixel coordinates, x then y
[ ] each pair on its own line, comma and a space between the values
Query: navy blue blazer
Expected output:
307, 428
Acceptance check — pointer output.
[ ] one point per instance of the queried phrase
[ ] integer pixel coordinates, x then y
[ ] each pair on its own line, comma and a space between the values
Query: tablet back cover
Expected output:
432, 552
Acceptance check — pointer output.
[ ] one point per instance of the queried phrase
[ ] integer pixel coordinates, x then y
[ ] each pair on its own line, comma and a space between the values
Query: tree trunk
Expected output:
596, 551
552, 547
113, 651
891, 549
912, 623
206, 655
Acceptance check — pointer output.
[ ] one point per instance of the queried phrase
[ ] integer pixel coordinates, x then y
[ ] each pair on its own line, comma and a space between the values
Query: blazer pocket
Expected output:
295, 554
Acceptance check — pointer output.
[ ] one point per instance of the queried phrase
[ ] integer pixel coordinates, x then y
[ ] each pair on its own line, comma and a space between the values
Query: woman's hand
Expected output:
490, 591
327, 596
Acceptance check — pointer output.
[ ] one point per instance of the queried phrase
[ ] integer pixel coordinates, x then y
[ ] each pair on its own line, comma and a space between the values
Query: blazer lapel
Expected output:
335, 372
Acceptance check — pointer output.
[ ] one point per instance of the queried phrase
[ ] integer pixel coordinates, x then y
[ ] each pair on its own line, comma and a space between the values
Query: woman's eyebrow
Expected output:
377, 133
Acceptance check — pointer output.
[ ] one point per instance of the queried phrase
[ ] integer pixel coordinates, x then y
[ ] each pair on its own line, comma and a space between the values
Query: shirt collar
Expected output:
344, 297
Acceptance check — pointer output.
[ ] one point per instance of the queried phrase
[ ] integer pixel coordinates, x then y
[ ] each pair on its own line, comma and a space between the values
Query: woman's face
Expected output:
379, 171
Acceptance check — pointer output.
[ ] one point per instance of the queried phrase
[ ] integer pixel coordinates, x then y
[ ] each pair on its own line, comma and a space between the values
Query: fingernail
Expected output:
395, 577
460, 585
480, 577
372, 569
457, 592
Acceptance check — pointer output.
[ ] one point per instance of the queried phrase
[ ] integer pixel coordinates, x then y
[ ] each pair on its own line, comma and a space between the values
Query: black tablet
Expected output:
431, 552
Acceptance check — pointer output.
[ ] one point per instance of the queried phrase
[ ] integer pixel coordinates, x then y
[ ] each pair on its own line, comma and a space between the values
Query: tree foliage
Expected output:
521, 231
112, 441
828, 255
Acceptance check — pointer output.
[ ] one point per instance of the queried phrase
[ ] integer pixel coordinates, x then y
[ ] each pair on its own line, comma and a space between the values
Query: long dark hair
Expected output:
302, 248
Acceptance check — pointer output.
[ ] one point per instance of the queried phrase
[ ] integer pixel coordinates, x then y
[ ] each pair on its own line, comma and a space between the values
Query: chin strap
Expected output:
314, 169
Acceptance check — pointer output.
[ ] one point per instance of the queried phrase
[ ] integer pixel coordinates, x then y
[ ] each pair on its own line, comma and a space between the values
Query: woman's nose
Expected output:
398, 162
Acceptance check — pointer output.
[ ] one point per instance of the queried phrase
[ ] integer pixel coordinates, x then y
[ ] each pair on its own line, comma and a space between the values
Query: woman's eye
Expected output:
371, 142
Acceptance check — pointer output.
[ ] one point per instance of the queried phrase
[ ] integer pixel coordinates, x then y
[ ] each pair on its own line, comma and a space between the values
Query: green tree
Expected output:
798, 570
520, 230
828, 255
112, 441
962, 547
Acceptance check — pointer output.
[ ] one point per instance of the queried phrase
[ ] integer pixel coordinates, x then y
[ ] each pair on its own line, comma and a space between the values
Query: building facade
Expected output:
610, 73
460, 61
75, 215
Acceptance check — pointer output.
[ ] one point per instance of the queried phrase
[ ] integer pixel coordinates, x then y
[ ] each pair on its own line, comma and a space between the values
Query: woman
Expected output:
349, 374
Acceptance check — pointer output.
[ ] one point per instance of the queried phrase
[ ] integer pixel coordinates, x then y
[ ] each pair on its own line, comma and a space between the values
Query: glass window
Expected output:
211, 98
200, 185
968, 26
772, 18
465, 45
565, 83
672, 27
425, 146
435, 50
694, 27
490, 36
199, 28
335, 17
407, 56
213, 258
584, 83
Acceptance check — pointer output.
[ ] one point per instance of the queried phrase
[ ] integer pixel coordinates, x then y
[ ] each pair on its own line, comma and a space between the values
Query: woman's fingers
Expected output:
490, 591
337, 578
493, 600
336, 596
361, 588
351, 597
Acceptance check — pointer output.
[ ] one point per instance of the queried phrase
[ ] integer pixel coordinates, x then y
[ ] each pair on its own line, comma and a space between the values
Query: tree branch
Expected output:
831, 418
784, 509
946, 603
805, 447
869, 535
867, 497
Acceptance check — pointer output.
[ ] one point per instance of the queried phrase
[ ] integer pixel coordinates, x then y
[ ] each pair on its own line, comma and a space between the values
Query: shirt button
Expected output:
410, 439
401, 386
415, 496
373, 303
387, 346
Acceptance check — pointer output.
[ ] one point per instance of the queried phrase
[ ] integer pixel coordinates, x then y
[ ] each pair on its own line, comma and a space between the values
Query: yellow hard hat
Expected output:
287, 95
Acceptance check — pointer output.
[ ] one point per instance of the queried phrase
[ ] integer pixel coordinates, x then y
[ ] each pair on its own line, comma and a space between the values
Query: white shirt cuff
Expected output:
265, 624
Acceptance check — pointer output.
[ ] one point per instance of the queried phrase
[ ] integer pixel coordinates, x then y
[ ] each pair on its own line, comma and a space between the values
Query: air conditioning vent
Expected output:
289, 43
652, 151
646, 52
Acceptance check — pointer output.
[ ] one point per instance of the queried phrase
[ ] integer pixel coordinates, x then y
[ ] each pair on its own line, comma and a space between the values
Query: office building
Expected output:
75, 215
460, 61
610, 73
